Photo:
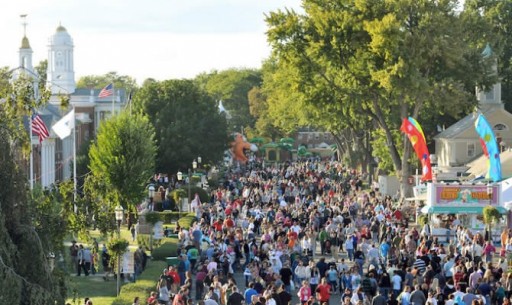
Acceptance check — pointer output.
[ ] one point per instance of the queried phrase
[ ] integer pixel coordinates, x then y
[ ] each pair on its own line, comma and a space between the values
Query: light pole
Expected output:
180, 178
119, 217
199, 161
51, 260
151, 191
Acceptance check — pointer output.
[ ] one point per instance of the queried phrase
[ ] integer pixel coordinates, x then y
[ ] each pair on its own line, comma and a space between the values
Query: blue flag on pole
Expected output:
490, 145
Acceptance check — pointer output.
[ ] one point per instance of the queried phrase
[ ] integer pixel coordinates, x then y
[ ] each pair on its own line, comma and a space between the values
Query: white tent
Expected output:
506, 192
480, 166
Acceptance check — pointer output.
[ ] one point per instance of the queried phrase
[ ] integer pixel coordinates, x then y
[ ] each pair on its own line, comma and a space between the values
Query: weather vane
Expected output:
24, 23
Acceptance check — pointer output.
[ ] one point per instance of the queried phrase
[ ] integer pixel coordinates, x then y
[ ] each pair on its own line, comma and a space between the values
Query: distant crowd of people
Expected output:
308, 232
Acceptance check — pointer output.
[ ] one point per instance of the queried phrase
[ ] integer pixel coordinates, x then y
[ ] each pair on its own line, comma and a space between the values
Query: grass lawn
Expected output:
94, 287
104, 293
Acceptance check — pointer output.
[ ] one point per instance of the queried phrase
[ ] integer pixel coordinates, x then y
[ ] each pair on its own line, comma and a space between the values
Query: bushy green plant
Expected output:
152, 218
168, 248
144, 241
203, 195
423, 219
187, 221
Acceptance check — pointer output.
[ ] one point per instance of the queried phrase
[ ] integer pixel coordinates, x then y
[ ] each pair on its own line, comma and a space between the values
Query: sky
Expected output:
161, 39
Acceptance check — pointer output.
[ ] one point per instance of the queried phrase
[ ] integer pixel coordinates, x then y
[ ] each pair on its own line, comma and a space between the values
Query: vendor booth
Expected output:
464, 202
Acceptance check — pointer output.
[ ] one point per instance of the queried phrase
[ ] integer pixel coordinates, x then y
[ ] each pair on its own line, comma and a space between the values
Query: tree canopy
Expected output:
26, 235
232, 86
378, 61
122, 159
100, 81
187, 123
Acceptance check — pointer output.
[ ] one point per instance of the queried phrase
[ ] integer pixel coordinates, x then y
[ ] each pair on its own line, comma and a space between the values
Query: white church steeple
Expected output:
25, 52
61, 74
491, 98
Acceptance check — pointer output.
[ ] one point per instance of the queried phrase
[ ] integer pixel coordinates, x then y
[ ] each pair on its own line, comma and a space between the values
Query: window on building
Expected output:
489, 95
471, 150
500, 127
299, 136
317, 135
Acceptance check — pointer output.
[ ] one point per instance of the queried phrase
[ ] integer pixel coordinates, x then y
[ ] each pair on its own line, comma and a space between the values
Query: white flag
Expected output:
64, 126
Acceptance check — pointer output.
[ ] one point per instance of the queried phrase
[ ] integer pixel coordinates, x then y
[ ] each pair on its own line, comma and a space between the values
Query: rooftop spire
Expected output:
24, 23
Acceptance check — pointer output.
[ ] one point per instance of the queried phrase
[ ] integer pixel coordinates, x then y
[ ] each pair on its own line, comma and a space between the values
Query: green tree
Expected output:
25, 242
122, 159
491, 215
186, 121
100, 81
380, 60
232, 86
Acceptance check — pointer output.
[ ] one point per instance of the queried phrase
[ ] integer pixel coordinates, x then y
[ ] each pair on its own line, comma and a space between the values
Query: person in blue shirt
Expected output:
249, 292
384, 251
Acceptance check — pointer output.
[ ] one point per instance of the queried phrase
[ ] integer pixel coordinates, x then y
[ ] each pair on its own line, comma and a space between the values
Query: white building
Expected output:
53, 158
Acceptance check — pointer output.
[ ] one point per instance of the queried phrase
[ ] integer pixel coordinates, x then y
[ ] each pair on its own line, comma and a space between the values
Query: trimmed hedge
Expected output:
171, 217
187, 221
143, 286
168, 248
143, 240
203, 195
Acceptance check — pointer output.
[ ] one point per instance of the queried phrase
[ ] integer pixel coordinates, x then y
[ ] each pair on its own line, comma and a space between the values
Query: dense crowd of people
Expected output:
308, 231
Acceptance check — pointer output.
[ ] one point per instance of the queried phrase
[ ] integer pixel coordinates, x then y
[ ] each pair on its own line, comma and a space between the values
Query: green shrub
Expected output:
143, 286
203, 195
143, 240
187, 221
168, 248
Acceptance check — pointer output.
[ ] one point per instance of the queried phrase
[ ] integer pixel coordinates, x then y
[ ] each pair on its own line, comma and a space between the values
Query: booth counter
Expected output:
465, 202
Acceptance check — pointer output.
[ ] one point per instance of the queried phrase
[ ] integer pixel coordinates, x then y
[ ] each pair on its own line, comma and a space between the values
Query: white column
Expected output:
44, 163
51, 156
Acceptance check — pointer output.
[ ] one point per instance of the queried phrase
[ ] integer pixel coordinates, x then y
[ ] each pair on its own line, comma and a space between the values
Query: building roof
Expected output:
457, 128
60, 28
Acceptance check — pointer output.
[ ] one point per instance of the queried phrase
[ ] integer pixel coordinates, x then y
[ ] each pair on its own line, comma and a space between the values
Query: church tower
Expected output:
61, 74
490, 99
25, 66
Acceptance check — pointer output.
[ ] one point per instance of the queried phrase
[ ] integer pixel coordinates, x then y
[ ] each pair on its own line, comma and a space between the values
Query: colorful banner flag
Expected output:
489, 147
415, 134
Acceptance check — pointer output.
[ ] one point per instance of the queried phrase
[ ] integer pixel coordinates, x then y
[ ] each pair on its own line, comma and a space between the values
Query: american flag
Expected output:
107, 91
39, 128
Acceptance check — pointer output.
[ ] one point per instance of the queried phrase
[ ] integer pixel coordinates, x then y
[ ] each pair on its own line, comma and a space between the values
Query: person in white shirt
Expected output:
396, 282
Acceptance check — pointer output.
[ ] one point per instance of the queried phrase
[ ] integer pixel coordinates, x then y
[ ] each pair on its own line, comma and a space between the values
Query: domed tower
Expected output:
61, 74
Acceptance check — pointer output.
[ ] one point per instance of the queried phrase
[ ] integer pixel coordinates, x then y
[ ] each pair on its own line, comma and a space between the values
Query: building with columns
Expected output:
53, 157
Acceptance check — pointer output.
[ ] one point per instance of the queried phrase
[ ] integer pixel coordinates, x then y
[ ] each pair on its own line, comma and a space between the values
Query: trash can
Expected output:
171, 261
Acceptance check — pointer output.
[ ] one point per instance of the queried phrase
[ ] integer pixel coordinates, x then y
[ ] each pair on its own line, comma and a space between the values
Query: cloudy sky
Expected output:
162, 39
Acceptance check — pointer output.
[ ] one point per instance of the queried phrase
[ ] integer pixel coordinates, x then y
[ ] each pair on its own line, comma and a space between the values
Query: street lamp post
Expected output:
180, 178
151, 191
119, 217
199, 161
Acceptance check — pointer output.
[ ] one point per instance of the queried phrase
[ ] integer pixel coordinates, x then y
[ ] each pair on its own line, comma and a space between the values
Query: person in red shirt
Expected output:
323, 291
218, 225
152, 297
176, 280
229, 223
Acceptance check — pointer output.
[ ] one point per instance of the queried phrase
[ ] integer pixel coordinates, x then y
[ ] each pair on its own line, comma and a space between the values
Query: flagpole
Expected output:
113, 98
74, 160
31, 156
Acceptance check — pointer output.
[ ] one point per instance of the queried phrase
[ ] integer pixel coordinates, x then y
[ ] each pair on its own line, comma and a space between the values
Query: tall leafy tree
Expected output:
232, 86
122, 159
186, 121
379, 60
26, 239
